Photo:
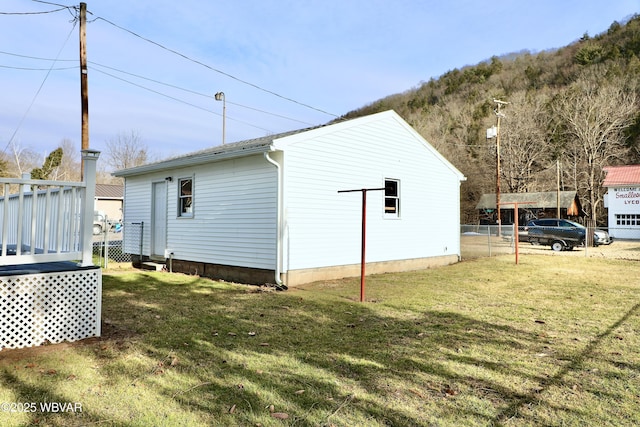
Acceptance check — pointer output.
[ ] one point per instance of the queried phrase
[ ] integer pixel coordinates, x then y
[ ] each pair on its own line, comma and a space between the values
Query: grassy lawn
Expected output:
552, 341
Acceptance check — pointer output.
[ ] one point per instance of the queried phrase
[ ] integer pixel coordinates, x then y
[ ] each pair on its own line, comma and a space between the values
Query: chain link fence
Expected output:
477, 241
111, 246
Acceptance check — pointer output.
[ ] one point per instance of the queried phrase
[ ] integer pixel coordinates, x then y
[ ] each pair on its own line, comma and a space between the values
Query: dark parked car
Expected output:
562, 234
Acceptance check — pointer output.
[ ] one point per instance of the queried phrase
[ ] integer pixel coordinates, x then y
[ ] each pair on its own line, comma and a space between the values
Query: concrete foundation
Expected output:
299, 277
255, 276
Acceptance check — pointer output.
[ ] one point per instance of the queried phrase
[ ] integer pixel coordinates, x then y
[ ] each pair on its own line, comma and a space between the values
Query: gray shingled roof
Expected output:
109, 191
544, 200
219, 152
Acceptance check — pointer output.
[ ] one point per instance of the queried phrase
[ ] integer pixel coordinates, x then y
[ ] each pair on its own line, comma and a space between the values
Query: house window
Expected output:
628, 219
185, 197
392, 197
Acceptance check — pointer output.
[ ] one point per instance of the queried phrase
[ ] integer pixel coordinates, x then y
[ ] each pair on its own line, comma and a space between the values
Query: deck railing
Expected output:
48, 221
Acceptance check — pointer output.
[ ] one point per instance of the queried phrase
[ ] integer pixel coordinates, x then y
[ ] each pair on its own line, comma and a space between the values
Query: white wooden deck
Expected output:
50, 291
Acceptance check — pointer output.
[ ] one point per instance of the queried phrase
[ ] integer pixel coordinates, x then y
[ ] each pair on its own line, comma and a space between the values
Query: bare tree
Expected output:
126, 150
525, 147
594, 113
69, 168
23, 160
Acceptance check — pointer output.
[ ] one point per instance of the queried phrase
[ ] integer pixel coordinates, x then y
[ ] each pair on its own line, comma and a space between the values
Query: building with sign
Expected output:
623, 201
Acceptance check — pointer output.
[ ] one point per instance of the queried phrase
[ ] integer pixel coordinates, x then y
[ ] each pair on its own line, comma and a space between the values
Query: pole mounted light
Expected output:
220, 97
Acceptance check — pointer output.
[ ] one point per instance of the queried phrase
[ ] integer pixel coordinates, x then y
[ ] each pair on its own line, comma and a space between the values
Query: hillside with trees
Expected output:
575, 109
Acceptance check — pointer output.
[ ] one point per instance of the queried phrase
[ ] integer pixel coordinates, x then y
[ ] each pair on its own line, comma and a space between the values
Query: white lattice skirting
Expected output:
49, 307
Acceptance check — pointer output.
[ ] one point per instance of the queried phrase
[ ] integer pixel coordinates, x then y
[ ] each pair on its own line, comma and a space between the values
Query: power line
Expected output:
198, 93
36, 57
195, 61
73, 9
24, 116
34, 13
140, 77
176, 99
36, 69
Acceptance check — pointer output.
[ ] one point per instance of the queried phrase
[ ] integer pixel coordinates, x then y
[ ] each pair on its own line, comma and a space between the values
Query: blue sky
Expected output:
282, 65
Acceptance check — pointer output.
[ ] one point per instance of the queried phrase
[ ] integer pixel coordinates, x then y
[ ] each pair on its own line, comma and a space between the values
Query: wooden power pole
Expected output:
499, 115
84, 91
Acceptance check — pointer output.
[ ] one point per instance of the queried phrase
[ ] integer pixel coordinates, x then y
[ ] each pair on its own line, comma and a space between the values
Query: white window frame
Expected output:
186, 201
391, 199
628, 220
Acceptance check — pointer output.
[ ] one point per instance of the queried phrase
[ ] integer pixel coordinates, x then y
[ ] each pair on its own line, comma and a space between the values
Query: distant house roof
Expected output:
622, 175
543, 200
109, 191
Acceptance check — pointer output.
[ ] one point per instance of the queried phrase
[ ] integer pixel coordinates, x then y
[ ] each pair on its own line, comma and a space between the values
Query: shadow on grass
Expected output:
231, 352
35, 400
558, 378
388, 370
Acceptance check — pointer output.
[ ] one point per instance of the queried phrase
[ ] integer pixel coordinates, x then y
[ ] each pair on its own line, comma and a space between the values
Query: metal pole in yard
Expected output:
141, 238
363, 242
515, 225
106, 241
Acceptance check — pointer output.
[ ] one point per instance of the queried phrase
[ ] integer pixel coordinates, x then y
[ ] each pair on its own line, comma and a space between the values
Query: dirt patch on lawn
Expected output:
110, 334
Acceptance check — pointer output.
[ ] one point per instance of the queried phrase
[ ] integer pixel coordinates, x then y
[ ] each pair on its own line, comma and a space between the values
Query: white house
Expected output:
623, 201
269, 209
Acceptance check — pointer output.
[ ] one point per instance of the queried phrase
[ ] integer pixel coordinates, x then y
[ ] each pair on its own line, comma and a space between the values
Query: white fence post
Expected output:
90, 158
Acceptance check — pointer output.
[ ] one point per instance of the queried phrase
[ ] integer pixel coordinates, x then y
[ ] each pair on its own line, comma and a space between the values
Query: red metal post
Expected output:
363, 247
364, 244
515, 224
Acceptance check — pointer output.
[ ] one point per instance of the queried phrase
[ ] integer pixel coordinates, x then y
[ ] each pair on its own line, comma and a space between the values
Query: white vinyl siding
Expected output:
136, 209
234, 201
324, 225
234, 217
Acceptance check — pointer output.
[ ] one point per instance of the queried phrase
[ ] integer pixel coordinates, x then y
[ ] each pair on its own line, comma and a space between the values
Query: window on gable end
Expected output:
392, 197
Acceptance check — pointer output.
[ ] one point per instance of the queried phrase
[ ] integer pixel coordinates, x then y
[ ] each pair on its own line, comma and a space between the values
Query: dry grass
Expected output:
552, 341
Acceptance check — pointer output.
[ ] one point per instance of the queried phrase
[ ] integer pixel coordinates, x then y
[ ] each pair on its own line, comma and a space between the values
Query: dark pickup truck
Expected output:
562, 234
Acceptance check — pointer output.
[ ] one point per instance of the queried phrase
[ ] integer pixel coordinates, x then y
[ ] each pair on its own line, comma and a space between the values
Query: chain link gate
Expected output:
113, 245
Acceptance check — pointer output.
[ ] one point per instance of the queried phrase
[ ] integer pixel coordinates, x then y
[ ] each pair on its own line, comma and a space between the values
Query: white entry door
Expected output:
158, 219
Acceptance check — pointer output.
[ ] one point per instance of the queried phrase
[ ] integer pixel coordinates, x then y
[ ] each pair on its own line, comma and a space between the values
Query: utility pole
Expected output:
84, 90
499, 115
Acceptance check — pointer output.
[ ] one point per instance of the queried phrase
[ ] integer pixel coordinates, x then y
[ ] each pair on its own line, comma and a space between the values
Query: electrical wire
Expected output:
75, 20
24, 116
37, 69
178, 100
34, 13
195, 61
36, 57
198, 93
143, 78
